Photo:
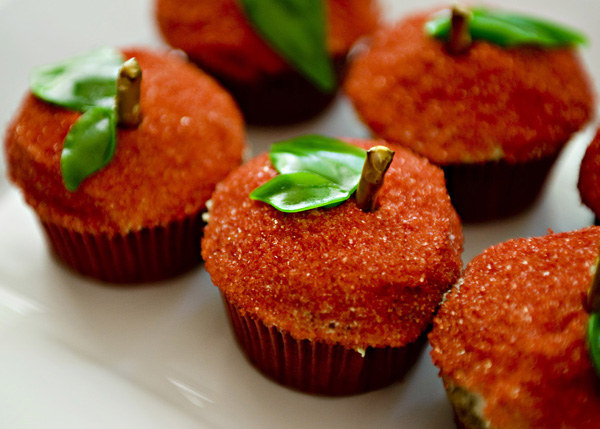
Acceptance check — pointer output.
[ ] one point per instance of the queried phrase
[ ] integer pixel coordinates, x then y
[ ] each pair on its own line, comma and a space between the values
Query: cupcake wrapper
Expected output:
148, 255
285, 98
318, 367
492, 190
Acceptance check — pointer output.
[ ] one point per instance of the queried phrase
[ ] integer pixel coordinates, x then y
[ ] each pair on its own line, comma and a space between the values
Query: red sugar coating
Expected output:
514, 331
190, 137
216, 33
338, 275
519, 104
589, 176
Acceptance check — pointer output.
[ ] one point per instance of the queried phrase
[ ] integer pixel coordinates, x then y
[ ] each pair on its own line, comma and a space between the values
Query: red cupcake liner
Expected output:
280, 99
493, 190
318, 367
147, 255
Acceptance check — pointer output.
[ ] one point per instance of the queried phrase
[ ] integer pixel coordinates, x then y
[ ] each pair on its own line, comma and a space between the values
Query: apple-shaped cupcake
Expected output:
330, 293
280, 59
119, 178
490, 96
517, 341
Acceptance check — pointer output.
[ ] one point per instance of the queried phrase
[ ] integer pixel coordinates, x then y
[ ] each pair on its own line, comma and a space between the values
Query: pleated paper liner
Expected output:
318, 367
279, 99
494, 190
147, 255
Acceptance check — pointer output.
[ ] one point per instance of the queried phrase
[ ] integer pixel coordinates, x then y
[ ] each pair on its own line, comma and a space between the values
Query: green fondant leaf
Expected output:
558, 35
316, 171
81, 82
593, 338
296, 29
88, 146
299, 191
508, 29
337, 161
86, 83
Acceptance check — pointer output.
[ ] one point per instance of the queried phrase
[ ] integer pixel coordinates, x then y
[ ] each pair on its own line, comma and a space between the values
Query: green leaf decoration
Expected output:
81, 82
86, 83
508, 29
300, 191
316, 171
89, 145
593, 339
337, 161
296, 29
559, 34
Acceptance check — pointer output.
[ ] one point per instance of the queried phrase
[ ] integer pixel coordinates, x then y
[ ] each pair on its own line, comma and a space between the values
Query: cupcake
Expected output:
137, 218
589, 177
265, 52
510, 339
494, 114
333, 300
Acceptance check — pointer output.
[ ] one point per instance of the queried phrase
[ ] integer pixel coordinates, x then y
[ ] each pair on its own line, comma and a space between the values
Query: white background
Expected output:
74, 353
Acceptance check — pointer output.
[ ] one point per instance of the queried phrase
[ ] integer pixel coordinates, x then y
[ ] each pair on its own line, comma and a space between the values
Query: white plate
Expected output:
74, 353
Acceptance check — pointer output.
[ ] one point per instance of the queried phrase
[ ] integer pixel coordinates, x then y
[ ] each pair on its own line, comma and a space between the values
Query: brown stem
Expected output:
376, 164
460, 36
593, 298
128, 94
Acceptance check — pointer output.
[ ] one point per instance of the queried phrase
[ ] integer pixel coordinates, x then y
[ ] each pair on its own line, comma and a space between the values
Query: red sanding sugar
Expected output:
589, 176
191, 135
338, 274
489, 103
514, 331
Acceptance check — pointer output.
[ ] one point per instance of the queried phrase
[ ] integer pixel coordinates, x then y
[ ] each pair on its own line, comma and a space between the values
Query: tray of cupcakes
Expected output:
327, 213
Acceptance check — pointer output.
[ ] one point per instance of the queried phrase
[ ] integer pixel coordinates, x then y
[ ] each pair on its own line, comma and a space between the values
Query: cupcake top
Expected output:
488, 103
217, 34
337, 275
513, 332
190, 136
589, 176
